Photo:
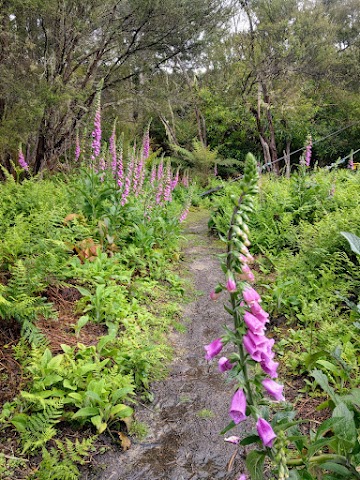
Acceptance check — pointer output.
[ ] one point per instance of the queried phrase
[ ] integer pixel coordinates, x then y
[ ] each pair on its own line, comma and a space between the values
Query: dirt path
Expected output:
191, 405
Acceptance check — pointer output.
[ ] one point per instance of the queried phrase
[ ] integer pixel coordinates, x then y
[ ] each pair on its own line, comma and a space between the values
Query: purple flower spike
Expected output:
77, 147
22, 161
274, 389
146, 145
266, 433
224, 364
213, 349
96, 134
238, 407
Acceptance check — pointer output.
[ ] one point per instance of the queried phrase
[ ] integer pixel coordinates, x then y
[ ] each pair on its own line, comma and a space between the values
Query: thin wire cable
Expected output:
342, 160
314, 143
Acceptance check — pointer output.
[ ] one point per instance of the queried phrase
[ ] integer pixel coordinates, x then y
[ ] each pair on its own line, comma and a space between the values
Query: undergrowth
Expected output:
54, 235
306, 269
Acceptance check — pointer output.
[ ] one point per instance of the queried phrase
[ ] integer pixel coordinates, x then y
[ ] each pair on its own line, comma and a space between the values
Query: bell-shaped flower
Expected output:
243, 258
238, 407
245, 268
274, 389
225, 364
254, 324
266, 433
250, 295
269, 366
259, 312
214, 295
231, 284
258, 346
213, 349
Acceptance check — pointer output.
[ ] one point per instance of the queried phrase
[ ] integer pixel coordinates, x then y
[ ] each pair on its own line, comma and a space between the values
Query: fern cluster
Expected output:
305, 263
60, 462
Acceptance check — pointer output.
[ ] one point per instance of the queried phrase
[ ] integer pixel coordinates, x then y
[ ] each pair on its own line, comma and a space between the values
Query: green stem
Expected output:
233, 298
319, 459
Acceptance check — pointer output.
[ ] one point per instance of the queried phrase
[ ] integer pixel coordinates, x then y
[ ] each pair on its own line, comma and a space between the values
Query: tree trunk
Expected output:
272, 141
263, 139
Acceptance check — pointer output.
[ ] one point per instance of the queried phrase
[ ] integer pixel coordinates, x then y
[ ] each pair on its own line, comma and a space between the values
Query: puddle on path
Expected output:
190, 406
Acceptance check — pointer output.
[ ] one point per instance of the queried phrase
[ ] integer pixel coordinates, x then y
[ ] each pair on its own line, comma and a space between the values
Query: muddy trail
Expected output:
191, 405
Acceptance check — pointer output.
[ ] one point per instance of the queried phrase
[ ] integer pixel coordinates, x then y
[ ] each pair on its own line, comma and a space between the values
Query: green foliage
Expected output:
201, 159
9, 465
125, 284
60, 463
38, 428
307, 271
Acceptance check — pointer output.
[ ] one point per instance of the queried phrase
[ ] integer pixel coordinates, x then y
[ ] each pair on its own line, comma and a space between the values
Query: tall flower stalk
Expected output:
308, 151
96, 133
21, 159
113, 153
252, 363
77, 146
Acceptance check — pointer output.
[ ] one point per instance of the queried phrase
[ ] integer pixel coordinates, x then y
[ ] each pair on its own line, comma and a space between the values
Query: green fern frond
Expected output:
38, 428
76, 451
52, 468
32, 334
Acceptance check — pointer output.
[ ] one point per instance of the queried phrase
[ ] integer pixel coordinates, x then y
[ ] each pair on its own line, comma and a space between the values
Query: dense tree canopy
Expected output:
289, 69
54, 53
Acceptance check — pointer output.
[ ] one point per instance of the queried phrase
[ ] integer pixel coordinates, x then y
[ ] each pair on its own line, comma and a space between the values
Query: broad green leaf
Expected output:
121, 393
345, 429
66, 348
336, 468
103, 342
323, 382
97, 386
76, 396
94, 396
55, 362
89, 367
329, 366
319, 444
121, 411
326, 426
99, 424
353, 397
20, 422
86, 412
255, 464
69, 385
83, 320
51, 379
353, 240
310, 360
249, 440
46, 357
84, 291
55, 392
